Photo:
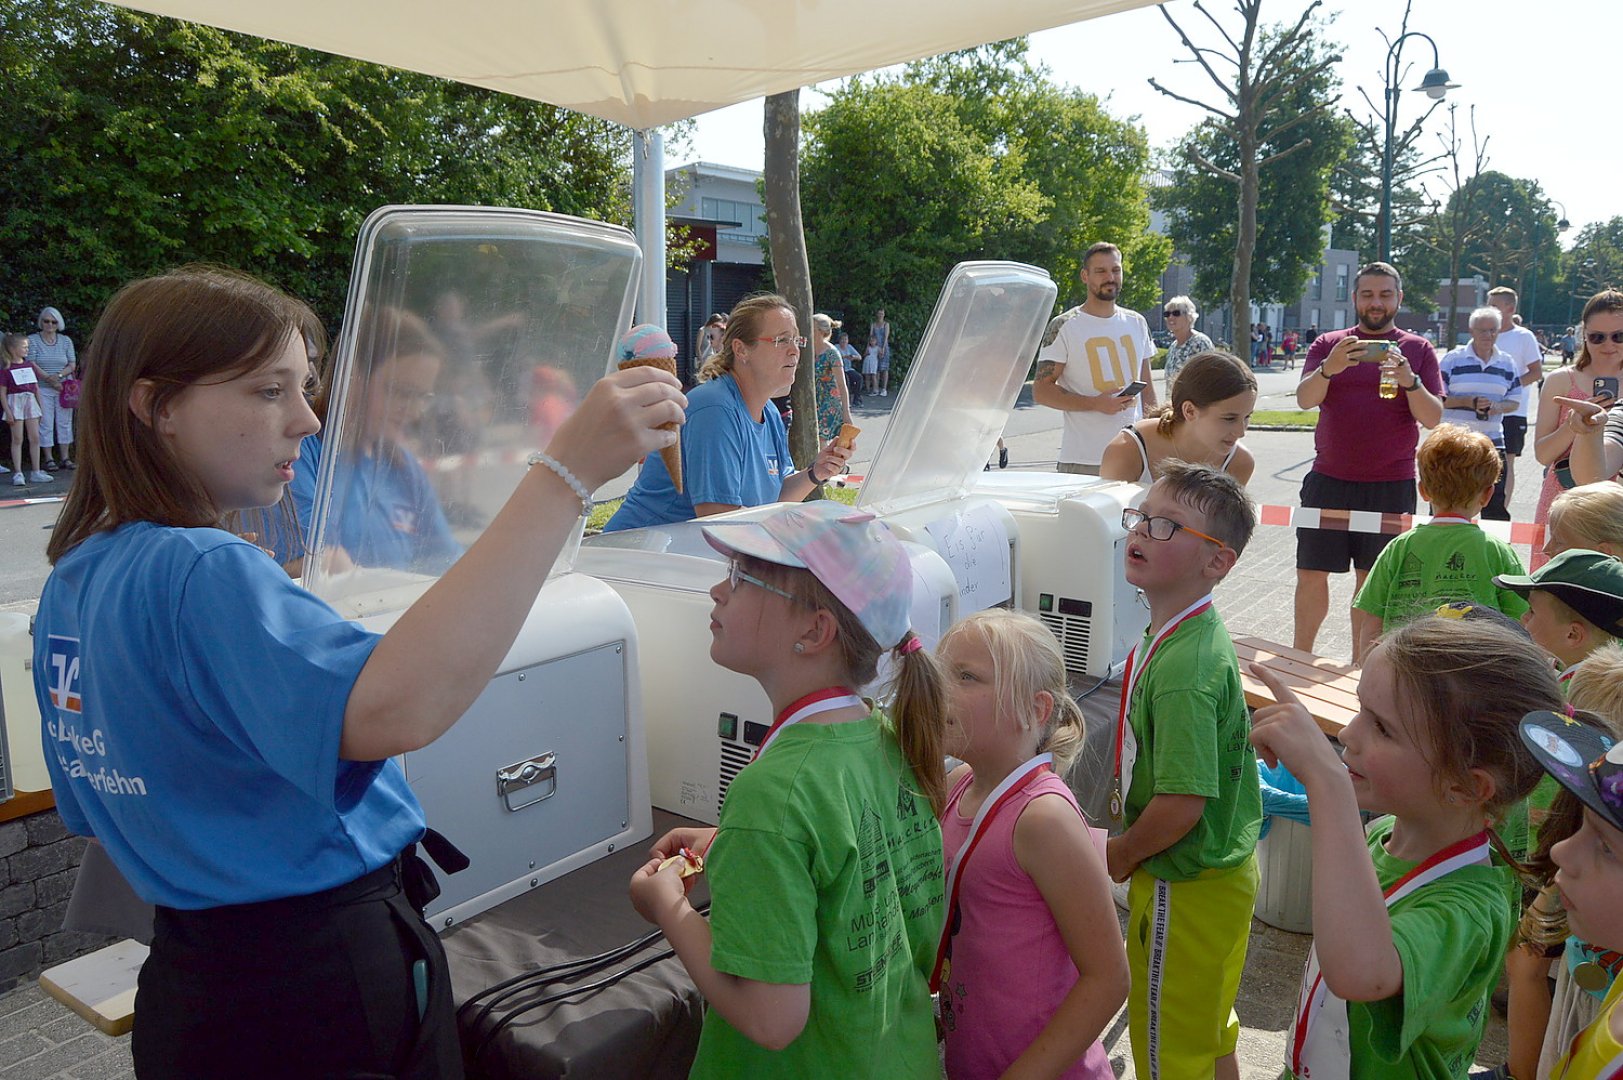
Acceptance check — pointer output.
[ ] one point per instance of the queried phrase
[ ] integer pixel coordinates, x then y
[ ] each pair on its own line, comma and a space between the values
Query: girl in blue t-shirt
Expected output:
227, 736
825, 874
1034, 968
1411, 923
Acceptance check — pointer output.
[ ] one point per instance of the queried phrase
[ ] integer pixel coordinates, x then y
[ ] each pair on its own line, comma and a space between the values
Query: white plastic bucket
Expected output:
1285, 870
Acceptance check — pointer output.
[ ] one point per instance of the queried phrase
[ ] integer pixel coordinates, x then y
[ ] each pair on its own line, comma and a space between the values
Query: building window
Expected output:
1341, 281
1313, 319
1341, 318
753, 225
1315, 288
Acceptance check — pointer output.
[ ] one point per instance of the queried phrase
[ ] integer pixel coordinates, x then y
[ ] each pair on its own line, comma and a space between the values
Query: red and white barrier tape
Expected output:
41, 500
1371, 521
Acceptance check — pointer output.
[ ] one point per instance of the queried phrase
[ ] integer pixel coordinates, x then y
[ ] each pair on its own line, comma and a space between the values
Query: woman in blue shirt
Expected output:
735, 451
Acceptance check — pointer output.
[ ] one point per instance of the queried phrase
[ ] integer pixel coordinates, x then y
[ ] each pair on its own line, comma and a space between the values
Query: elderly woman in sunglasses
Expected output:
1576, 441
51, 353
735, 449
1180, 314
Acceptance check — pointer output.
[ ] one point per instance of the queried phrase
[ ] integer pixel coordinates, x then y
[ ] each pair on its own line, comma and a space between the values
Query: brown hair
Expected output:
1379, 269
743, 325
390, 330
1590, 516
1101, 248
919, 700
1608, 301
1456, 464
1207, 378
8, 342
1230, 513
1503, 290
1026, 660
191, 325
1471, 682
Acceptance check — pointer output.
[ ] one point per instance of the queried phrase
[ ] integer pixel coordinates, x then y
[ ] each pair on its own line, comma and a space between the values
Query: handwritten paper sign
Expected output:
975, 545
23, 376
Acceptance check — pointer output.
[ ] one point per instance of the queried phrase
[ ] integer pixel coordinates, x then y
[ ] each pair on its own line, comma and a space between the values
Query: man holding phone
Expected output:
1091, 358
1364, 445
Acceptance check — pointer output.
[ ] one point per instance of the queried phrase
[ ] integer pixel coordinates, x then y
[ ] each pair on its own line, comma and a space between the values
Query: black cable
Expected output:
1102, 680
559, 970
549, 999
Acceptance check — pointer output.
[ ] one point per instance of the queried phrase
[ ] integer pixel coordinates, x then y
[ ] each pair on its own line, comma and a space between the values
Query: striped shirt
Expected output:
1465, 374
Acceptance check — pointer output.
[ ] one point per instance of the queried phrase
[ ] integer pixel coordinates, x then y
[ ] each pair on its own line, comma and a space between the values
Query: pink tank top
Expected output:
1010, 966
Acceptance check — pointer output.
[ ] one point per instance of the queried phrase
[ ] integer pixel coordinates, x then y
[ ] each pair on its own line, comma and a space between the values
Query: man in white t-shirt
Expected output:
1089, 353
1523, 347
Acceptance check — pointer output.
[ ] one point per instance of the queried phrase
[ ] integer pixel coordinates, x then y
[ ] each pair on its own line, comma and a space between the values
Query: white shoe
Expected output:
40, 478
885, 392
18, 480
3, 470
1118, 892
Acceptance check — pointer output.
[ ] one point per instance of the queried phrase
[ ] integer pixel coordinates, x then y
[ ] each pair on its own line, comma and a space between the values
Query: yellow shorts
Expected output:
1186, 943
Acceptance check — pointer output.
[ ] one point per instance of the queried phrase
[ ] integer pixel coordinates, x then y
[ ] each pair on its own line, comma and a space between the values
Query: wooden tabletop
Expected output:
1328, 688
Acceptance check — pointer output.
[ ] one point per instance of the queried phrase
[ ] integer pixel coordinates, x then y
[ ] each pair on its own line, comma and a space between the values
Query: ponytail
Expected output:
917, 709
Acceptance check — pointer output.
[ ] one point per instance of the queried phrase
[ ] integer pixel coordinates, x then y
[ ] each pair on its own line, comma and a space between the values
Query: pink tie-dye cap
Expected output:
850, 551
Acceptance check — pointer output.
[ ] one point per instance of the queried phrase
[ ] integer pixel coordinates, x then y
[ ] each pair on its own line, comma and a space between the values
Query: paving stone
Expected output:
114, 1064
49, 1063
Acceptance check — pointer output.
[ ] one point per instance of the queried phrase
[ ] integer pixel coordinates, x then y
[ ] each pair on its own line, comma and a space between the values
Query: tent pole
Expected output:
648, 209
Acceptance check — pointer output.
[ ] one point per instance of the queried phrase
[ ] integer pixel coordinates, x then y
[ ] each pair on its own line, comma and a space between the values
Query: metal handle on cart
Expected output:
524, 775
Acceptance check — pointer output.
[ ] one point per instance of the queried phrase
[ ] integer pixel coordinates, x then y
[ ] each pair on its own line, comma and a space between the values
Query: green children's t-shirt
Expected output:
1188, 714
827, 869
1434, 564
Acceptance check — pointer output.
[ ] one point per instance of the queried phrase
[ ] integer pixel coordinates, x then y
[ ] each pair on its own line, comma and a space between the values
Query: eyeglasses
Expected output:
736, 574
1161, 528
52, 322
1169, 314
783, 341
1597, 337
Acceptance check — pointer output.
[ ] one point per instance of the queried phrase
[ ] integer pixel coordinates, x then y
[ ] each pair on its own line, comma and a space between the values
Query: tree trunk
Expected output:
1245, 242
790, 268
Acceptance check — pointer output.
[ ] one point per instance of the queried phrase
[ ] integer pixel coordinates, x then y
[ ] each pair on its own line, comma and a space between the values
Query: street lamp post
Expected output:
1434, 85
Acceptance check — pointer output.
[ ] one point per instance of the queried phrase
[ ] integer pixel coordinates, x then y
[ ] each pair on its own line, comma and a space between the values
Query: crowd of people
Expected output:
908, 905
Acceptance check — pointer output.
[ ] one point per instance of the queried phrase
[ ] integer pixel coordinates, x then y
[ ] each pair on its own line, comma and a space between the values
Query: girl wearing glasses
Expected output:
1572, 408
735, 449
825, 874
1212, 399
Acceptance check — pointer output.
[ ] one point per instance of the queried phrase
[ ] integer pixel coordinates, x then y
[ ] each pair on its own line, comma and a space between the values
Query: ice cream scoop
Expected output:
647, 345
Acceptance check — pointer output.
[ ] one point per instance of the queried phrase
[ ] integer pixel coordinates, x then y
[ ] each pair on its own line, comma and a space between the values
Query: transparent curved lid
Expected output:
469, 335
966, 375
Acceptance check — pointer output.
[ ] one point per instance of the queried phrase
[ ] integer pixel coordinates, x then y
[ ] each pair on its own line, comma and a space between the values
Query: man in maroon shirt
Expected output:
1364, 446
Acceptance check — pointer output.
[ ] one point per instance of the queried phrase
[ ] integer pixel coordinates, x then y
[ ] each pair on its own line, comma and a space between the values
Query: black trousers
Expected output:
319, 986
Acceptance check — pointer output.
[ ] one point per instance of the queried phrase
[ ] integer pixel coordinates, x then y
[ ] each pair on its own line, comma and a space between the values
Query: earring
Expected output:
800, 646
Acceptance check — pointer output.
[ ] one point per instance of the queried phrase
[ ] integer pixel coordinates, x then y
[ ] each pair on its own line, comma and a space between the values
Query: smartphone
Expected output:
1133, 389
1374, 352
1606, 384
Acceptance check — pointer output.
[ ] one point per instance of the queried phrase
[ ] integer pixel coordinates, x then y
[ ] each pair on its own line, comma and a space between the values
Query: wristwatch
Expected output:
1325, 372
1411, 388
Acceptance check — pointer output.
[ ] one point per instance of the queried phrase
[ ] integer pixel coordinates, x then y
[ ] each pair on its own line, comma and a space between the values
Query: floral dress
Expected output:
1177, 355
830, 410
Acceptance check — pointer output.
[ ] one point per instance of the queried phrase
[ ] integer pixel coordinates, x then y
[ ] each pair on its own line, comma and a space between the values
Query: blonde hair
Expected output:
1026, 661
1597, 686
743, 326
919, 698
1590, 516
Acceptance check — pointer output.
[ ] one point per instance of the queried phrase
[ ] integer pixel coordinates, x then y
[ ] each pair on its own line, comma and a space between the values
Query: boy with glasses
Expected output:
1185, 786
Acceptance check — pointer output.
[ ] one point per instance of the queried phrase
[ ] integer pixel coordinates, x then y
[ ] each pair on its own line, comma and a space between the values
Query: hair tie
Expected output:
911, 644
1570, 710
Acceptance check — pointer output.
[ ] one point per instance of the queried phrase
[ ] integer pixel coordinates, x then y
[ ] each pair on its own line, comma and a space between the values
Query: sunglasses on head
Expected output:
1598, 337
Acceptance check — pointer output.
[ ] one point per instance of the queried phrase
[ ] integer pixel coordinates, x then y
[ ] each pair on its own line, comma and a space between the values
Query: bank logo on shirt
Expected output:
772, 465
64, 673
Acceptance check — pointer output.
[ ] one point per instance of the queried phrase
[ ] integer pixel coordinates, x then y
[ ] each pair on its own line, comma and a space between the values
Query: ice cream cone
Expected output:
649, 346
847, 437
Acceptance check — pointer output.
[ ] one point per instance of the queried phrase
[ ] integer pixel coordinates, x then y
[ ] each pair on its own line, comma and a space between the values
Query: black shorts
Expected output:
1330, 550
1515, 435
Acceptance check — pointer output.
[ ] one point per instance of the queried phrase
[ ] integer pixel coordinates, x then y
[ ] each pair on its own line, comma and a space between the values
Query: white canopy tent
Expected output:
642, 63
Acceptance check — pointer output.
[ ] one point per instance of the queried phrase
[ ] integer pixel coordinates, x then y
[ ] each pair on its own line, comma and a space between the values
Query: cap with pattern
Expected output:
1589, 582
851, 552
1581, 758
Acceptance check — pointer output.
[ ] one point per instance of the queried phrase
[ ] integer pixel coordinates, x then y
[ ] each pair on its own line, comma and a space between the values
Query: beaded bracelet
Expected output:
540, 458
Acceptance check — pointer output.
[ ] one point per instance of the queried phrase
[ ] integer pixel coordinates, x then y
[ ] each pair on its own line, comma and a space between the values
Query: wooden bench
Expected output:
1328, 688
100, 986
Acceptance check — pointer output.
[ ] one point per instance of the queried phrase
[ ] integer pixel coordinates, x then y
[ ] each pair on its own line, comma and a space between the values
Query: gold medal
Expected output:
1591, 977
688, 863
1115, 800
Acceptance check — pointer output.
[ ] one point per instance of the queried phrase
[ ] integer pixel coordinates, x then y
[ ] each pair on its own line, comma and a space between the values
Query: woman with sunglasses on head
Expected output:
1574, 400
1180, 314
735, 450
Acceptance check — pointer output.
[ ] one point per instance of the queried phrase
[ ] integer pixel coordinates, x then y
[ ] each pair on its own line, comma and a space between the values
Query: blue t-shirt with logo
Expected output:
193, 700
728, 457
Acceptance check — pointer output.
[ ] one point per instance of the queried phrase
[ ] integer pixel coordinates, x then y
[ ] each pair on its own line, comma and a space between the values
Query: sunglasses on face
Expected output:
1598, 337
1171, 314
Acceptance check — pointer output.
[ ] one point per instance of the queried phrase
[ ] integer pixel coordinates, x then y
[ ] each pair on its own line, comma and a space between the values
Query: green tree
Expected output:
1282, 83
1293, 197
1595, 262
972, 155
137, 142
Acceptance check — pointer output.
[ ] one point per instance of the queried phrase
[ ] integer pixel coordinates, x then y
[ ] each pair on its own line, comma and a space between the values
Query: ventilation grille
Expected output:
1075, 636
733, 758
